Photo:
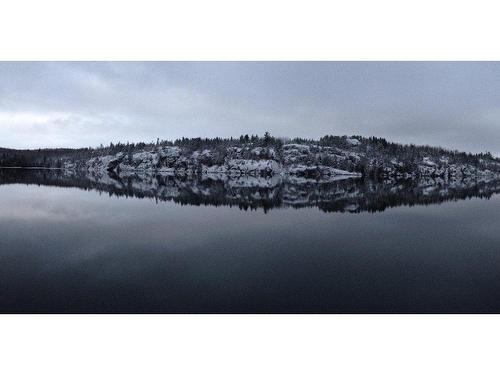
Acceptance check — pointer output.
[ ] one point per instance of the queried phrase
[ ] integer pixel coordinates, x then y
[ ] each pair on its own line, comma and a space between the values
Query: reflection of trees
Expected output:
351, 195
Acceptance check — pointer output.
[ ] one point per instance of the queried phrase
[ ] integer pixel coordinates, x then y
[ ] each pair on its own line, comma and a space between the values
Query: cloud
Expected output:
84, 104
57, 129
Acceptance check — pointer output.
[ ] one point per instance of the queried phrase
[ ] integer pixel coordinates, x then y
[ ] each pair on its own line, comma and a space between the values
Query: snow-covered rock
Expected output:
306, 159
353, 141
252, 167
428, 162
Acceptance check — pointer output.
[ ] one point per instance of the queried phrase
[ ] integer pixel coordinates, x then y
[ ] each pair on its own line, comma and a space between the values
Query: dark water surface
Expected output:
71, 244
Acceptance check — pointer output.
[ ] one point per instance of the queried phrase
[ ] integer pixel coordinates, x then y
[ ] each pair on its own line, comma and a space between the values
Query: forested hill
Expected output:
266, 155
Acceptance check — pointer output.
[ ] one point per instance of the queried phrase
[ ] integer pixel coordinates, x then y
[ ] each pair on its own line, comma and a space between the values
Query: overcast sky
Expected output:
456, 105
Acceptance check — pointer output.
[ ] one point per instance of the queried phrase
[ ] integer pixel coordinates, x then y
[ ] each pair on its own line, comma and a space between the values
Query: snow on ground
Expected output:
245, 166
307, 161
297, 146
353, 141
428, 162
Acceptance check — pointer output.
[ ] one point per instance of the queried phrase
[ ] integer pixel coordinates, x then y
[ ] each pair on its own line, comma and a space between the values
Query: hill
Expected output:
329, 157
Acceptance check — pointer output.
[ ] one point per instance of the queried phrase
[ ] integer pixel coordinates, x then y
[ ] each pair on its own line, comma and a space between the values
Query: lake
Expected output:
75, 243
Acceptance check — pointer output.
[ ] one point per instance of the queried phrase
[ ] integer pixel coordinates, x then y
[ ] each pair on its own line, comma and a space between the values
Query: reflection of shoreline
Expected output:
334, 195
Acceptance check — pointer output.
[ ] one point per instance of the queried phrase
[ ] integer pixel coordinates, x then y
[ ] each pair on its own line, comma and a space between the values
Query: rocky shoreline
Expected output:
329, 158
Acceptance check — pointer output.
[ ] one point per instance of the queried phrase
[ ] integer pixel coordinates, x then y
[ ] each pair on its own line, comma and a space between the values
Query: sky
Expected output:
78, 104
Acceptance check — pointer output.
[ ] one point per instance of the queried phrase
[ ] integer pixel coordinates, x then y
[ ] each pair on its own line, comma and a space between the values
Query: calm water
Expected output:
109, 244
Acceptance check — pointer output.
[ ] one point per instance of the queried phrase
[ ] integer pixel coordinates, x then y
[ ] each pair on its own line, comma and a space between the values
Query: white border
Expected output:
249, 344
249, 30
256, 30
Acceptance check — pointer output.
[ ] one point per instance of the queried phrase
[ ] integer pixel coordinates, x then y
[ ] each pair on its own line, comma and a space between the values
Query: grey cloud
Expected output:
453, 104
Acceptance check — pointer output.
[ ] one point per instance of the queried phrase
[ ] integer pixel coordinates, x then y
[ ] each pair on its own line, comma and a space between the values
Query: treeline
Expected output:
41, 158
366, 155
56, 157
376, 154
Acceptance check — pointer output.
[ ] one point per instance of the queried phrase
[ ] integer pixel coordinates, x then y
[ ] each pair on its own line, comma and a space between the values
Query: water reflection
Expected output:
68, 250
343, 195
